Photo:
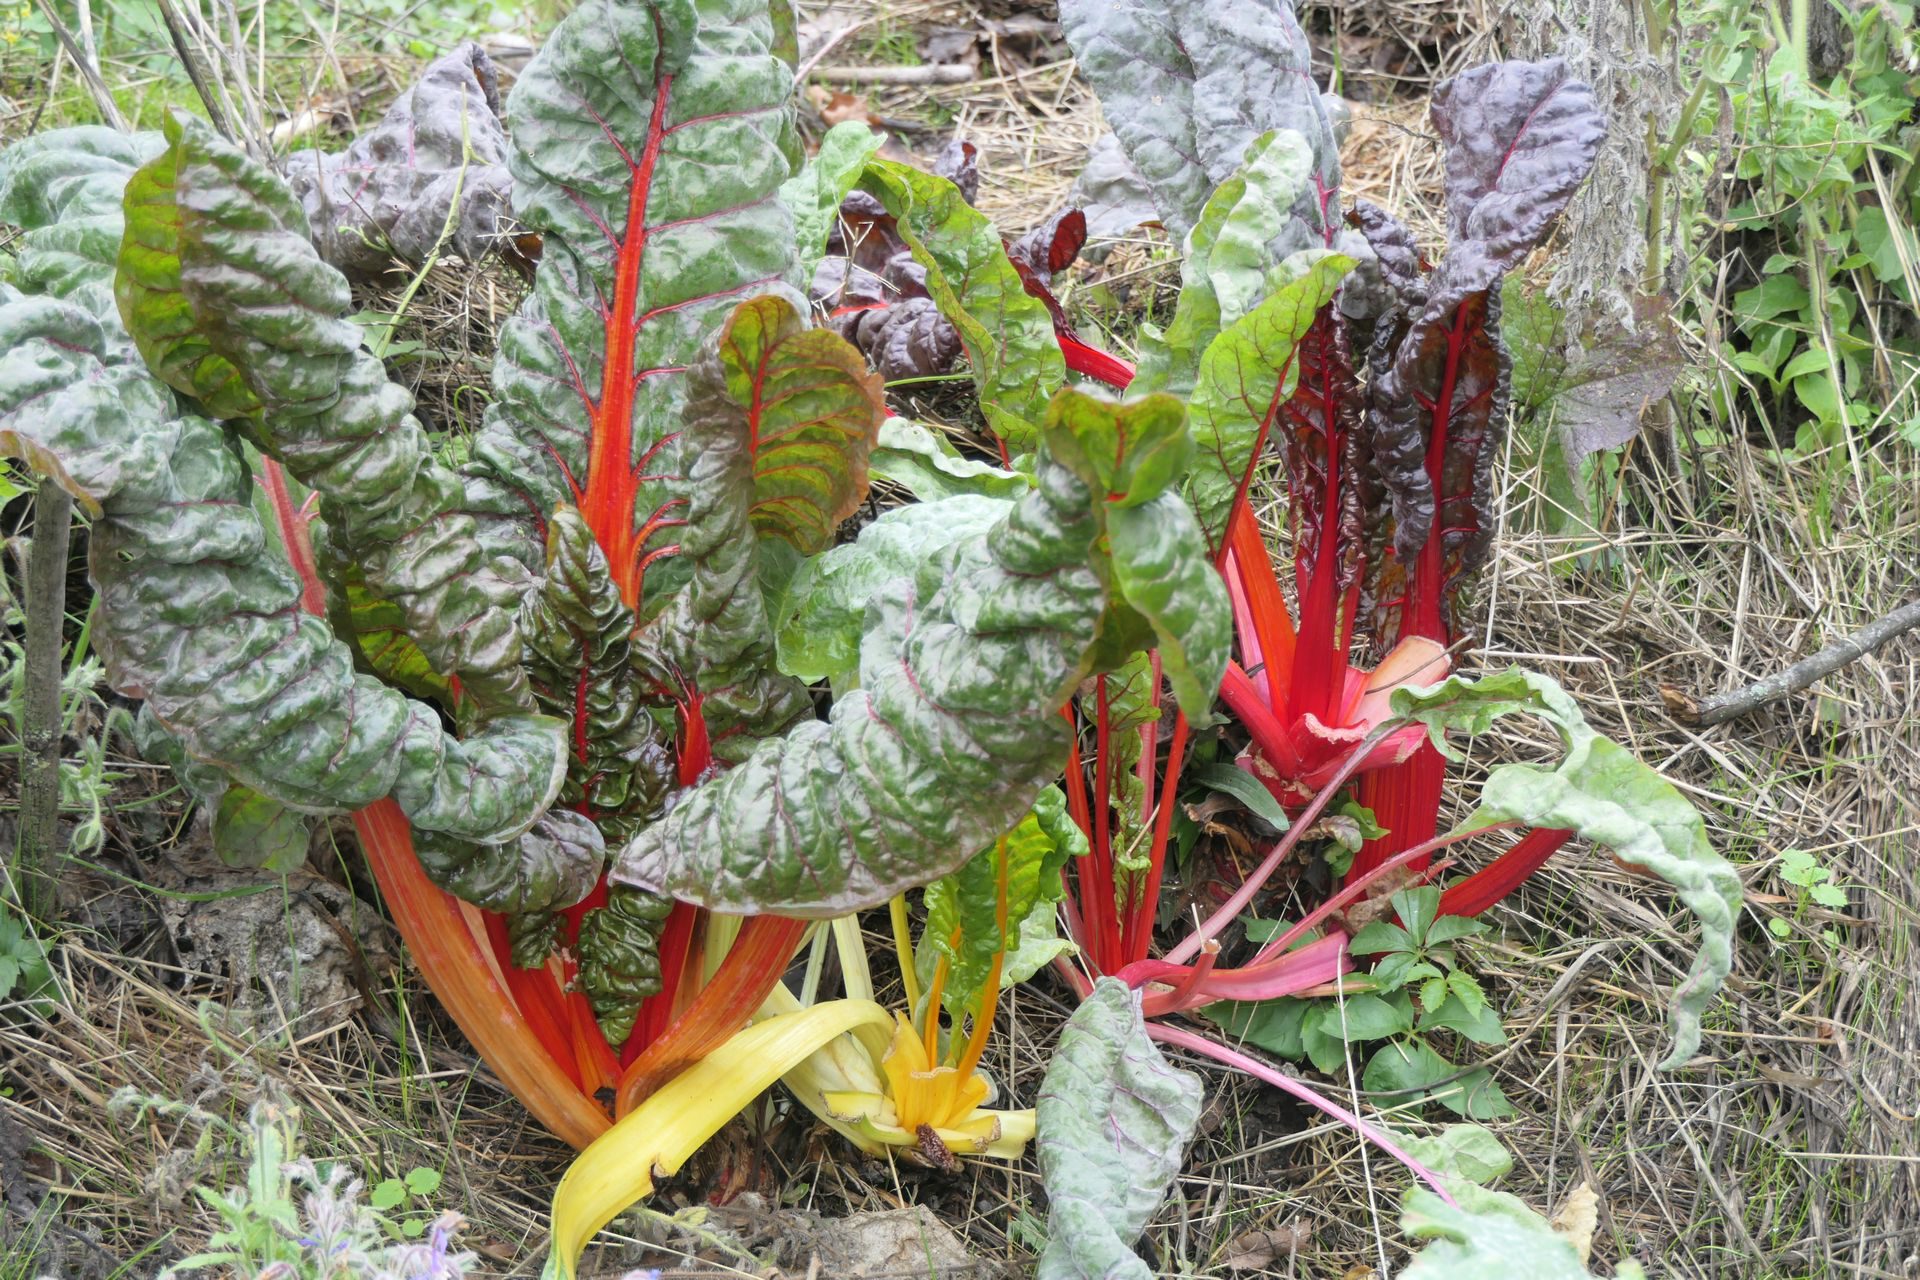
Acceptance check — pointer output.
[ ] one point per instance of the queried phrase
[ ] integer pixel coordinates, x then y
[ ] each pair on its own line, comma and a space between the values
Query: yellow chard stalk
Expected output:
657, 1137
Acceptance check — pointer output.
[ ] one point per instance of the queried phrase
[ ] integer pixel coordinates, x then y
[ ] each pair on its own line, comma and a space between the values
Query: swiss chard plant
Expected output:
547, 683
1323, 334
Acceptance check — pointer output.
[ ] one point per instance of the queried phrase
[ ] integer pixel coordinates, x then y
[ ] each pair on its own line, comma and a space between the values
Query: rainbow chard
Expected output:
963, 667
583, 602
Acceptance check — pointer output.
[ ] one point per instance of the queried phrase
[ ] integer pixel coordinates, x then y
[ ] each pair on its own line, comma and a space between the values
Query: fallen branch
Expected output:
1730, 706
926, 73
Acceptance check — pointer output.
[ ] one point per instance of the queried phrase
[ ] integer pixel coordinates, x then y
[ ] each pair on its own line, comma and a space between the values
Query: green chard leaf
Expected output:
825, 605
620, 957
271, 310
1132, 453
1007, 333
1114, 1120
1227, 265
1490, 1234
778, 423
1246, 375
199, 616
963, 669
967, 902
62, 189
925, 465
650, 139
814, 194
577, 633
812, 412
1601, 792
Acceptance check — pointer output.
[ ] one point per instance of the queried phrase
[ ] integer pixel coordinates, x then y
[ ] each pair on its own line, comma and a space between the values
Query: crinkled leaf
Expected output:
62, 188
268, 305
814, 194
378, 631
712, 647
1111, 192
1490, 1235
825, 607
619, 953
649, 143
1162, 566
812, 411
155, 312
963, 669
967, 903
431, 177
1114, 1122
1600, 791
1520, 139
578, 637
903, 339
922, 462
1130, 453
1326, 495
198, 616
1226, 267
1396, 256
1246, 375
552, 864
1188, 84
1008, 334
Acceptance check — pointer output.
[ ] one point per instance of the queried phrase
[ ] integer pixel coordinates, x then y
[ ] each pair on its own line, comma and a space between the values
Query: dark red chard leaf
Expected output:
1324, 509
1402, 266
440, 150
959, 163
617, 126
1044, 252
906, 339
1521, 137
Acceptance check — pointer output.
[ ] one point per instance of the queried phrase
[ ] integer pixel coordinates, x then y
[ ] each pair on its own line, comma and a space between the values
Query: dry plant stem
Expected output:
39, 835
102, 96
926, 73
1731, 706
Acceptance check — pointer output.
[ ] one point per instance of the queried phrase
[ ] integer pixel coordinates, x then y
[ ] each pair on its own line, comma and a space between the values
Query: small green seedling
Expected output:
395, 1195
1817, 886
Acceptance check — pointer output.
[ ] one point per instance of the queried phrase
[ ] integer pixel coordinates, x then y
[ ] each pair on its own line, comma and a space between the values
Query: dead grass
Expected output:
1790, 1147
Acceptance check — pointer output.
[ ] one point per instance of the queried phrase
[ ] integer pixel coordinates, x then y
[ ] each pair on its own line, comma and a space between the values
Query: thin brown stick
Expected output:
1730, 706
38, 851
925, 73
